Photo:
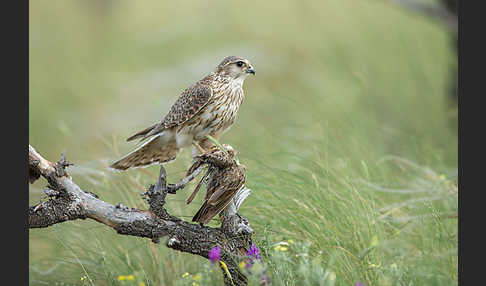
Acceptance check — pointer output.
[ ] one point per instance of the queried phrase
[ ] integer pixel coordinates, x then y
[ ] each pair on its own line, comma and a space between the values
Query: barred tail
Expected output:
151, 152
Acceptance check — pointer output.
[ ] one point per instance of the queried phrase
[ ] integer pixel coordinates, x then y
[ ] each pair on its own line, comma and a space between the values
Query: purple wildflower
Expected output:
214, 254
249, 265
253, 253
359, 284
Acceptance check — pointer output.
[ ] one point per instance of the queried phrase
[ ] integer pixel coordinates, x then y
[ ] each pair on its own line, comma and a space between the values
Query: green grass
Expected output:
346, 132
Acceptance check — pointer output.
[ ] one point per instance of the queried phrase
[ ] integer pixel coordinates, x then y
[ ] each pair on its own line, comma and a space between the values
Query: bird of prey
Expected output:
208, 107
225, 177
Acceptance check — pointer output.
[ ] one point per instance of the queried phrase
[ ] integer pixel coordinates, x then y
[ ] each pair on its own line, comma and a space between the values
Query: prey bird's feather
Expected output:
225, 179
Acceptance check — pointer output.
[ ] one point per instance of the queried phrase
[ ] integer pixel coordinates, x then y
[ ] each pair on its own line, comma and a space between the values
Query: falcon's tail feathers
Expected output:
149, 153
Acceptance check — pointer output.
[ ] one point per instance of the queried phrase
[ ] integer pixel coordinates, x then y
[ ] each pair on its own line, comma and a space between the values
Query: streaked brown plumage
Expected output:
209, 107
225, 177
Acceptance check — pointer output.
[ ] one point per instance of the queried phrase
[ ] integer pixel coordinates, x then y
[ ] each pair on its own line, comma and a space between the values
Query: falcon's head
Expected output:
235, 67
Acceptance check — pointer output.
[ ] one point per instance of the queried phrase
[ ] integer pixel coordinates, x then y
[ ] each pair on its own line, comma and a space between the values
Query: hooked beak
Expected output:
250, 70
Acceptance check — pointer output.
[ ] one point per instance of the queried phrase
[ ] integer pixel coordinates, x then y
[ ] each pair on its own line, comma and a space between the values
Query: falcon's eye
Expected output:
239, 63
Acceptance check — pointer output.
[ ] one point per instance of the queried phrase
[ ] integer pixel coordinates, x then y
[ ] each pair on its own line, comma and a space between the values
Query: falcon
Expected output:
224, 178
208, 107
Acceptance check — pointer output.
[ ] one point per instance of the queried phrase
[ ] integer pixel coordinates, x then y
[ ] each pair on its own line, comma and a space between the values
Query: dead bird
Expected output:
224, 178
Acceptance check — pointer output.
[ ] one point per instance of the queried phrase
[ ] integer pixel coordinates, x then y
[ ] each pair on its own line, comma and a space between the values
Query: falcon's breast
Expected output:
220, 112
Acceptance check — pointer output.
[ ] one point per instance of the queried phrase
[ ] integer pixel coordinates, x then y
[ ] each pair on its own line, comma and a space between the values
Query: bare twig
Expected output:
173, 188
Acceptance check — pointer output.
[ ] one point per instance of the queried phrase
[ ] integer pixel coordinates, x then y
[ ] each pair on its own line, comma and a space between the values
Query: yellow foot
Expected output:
199, 148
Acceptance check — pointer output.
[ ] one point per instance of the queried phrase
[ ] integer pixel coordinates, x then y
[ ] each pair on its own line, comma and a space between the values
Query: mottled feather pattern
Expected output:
209, 107
219, 113
148, 154
226, 177
192, 100
221, 188
188, 104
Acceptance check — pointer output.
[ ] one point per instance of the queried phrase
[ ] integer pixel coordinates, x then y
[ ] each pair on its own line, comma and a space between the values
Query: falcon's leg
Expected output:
199, 148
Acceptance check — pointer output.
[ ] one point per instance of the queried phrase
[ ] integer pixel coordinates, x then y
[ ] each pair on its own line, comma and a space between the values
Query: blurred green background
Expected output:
346, 130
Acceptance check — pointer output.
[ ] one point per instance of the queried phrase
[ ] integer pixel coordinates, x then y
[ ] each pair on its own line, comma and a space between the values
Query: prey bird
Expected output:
208, 107
224, 178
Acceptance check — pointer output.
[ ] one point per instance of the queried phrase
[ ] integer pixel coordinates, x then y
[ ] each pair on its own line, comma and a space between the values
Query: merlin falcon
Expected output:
208, 107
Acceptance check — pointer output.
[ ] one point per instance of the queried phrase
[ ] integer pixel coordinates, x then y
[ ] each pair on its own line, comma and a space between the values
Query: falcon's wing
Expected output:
189, 103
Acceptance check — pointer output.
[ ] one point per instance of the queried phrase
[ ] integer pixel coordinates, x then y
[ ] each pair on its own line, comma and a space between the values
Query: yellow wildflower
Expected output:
372, 265
290, 241
141, 283
195, 284
128, 277
196, 277
280, 248
242, 265
185, 275
83, 278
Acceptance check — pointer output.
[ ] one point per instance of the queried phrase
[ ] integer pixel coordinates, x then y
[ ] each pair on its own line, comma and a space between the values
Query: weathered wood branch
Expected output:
67, 201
